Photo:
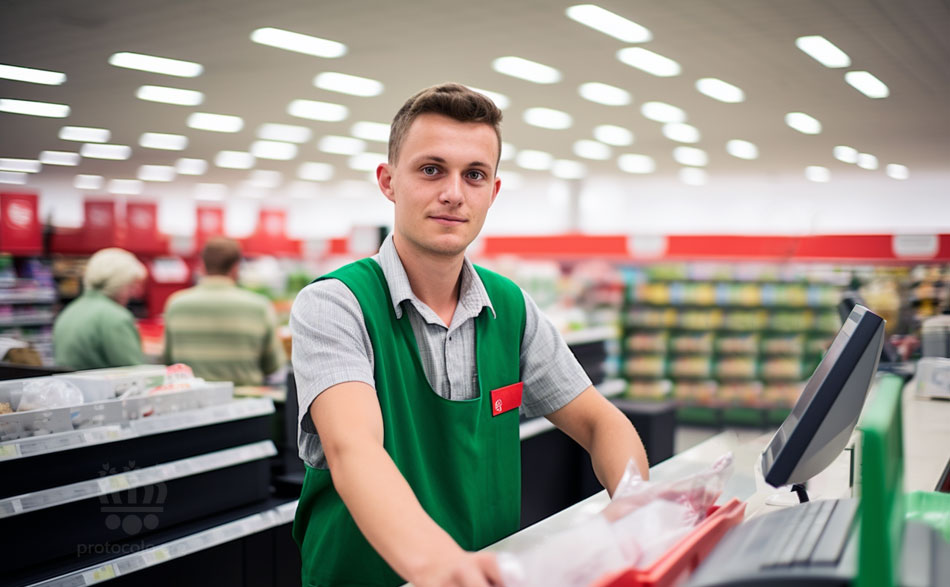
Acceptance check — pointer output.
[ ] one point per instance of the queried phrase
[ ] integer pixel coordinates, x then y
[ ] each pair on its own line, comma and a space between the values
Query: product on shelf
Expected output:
660, 389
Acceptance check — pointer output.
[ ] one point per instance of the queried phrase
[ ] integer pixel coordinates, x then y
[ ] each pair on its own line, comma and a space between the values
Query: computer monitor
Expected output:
849, 300
821, 422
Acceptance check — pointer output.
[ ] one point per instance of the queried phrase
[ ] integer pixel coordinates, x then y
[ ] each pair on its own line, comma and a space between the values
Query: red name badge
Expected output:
506, 398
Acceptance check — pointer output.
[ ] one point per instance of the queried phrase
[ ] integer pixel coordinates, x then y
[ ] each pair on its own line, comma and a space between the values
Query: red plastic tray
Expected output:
682, 559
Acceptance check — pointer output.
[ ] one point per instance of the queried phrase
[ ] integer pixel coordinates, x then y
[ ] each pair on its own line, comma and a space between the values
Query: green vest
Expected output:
463, 464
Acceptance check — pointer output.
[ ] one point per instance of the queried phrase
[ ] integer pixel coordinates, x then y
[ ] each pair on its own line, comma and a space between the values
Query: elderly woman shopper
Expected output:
96, 330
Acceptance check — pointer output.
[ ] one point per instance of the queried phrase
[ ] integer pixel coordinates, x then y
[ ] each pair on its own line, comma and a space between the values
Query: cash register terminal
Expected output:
843, 541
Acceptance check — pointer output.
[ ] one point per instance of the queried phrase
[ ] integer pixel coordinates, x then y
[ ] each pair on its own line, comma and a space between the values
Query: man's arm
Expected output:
605, 433
350, 425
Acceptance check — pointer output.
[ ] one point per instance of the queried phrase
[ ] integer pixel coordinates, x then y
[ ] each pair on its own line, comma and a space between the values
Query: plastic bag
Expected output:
643, 520
44, 393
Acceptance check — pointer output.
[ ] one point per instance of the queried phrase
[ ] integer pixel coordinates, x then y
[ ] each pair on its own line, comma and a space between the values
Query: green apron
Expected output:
463, 464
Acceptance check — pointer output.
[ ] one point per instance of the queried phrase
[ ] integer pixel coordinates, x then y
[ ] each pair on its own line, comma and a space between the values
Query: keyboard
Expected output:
810, 542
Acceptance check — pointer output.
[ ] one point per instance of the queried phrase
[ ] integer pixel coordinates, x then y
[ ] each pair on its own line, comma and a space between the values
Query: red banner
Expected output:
141, 228
100, 228
20, 232
209, 222
270, 237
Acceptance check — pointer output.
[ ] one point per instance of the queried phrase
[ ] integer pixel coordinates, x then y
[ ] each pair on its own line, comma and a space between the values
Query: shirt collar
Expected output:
472, 294
215, 281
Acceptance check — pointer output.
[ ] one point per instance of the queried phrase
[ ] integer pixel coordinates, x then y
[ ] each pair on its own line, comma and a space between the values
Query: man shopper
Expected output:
411, 367
223, 332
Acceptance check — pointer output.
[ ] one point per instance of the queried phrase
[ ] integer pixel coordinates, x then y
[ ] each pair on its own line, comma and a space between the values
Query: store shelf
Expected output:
27, 296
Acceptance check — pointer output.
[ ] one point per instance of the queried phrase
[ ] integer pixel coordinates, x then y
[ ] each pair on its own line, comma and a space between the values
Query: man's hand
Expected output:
463, 569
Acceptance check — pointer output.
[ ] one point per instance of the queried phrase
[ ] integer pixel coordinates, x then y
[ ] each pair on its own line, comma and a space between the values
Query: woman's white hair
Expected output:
110, 270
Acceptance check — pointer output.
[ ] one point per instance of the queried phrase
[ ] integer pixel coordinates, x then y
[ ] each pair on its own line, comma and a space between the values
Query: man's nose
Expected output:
452, 193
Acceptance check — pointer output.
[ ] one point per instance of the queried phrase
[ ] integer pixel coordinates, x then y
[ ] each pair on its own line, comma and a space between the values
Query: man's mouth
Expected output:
448, 220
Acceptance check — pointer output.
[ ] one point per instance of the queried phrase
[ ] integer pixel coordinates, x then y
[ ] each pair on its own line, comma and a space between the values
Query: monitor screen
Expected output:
849, 300
821, 422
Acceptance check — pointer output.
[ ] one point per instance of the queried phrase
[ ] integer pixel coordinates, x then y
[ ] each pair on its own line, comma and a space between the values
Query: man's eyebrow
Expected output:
438, 159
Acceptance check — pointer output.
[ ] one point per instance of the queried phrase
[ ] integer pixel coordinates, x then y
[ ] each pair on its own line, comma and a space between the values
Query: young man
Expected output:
410, 369
223, 332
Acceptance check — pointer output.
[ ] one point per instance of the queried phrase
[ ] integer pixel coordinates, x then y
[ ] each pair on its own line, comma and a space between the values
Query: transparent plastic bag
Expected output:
44, 393
643, 520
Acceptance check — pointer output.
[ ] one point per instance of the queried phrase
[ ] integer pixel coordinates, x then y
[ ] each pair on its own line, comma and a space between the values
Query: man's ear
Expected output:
495, 188
384, 177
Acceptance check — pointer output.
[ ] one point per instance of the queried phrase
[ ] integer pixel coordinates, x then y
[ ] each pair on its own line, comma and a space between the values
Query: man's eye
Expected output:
430, 170
476, 175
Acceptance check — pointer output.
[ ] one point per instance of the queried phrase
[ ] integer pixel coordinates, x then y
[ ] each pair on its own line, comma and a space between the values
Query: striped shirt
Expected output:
331, 345
223, 332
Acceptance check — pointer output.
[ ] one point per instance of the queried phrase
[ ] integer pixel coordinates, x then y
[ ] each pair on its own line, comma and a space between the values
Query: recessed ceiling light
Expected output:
34, 76
568, 169
106, 151
13, 177
614, 135
234, 160
298, 42
265, 178
341, 145
508, 151
170, 95
845, 154
662, 112
692, 176
88, 182
85, 134
348, 84
20, 165
215, 122
60, 158
371, 131
589, 149
130, 187
166, 142
636, 163
605, 94
803, 123
720, 90
31, 108
823, 51
648, 61
315, 171
681, 132
366, 161
867, 84
525, 69
500, 100
211, 192
818, 174
154, 64
534, 159
315, 110
742, 149
187, 166
609, 23
548, 118
274, 150
289, 133
897, 171
690, 156
157, 173
867, 161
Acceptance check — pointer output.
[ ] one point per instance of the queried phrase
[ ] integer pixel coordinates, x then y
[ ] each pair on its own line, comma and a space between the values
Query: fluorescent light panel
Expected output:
818, 174
568, 169
345, 83
371, 131
612, 134
508, 151
85, 134
215, 122
106, 151
605, 94
60, 158
298, 42
867, 84
548, 118
867, 161
526, 69
650, 62
274, 150
131, 187
681, 132
341, 145
823, 51
690, 156
157, 173
662, 112
13, 177
803, 123
163, 141
32, 108
153, 64
845, 154
534, 159
500, 100
636, 163
20, 165
719, 90
897, 171
188, 166
167, 95
609, 23
315, 110
289, 133
33, 76
315, 171
589, 149
234, 160
88, 182
742, 149
366, 161
692, 176
265, 178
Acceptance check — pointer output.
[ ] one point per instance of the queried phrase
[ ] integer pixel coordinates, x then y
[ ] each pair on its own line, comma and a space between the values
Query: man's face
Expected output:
442, 184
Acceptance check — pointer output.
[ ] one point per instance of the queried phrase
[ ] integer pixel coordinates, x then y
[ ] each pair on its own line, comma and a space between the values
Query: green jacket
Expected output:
95, 332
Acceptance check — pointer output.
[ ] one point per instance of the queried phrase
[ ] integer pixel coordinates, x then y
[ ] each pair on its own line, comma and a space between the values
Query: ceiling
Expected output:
413, 44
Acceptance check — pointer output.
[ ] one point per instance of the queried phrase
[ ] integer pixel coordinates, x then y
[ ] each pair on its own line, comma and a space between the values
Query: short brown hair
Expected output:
220, 254
452, 100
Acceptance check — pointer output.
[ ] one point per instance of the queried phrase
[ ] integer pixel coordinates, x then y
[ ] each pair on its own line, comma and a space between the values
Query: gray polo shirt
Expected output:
331, 345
